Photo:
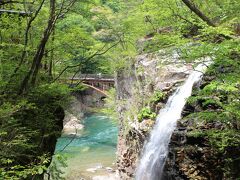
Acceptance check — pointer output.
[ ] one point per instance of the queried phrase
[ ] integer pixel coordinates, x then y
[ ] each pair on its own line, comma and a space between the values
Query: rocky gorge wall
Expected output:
205, 144
142, 91
82, 102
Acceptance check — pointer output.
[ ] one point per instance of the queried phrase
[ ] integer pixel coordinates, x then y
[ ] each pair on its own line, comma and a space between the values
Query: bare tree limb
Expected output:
199, 13
13, 2
75, 135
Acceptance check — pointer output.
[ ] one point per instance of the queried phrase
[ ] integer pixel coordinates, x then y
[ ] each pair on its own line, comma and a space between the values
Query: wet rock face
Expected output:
192, 157
135, 86
128, 149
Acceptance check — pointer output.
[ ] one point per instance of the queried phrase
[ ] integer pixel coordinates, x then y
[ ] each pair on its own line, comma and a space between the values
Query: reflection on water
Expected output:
89, 154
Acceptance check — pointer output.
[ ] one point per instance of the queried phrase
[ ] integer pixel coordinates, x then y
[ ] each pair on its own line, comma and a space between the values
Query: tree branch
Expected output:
200, 14
97, 53
26, 39
21, 13
75, 135
29, 24
13, 2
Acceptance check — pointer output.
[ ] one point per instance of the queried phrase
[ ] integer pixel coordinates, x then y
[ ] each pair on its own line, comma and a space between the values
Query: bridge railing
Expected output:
93, 76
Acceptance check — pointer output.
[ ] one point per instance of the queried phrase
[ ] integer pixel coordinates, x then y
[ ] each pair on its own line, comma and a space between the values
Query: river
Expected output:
91, 154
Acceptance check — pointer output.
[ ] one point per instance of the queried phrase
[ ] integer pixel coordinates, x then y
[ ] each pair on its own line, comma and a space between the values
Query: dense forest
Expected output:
44, 44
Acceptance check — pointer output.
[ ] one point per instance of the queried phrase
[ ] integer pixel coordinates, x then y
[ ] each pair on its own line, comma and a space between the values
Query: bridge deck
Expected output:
99, 82
94, 77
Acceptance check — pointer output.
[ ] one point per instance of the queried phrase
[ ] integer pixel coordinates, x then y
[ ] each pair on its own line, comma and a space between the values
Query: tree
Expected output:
53, 17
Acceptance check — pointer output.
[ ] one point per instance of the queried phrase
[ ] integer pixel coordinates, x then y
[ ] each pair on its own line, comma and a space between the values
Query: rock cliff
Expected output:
205, 144
82, 102
142, 90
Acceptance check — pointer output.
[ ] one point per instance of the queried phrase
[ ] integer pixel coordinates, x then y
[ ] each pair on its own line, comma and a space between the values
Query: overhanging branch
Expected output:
97, 53
199, 13
13, 2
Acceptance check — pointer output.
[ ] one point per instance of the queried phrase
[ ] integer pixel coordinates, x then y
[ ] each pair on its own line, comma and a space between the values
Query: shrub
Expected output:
146, 113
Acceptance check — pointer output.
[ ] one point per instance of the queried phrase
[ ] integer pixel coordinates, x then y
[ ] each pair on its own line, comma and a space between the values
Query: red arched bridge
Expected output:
98, 82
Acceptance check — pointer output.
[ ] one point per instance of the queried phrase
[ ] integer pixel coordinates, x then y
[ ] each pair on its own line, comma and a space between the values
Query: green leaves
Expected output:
26, 122
219, 87
23, 172
157, 97
146, 113
55, 170
40, 170
224, 139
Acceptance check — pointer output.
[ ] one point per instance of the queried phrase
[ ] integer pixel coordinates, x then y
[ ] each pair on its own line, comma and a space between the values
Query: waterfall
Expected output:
155, 151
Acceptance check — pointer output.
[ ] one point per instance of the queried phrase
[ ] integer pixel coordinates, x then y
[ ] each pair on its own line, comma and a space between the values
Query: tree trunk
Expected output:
50, 69
26, 40
200, 14
47, 33
32, 74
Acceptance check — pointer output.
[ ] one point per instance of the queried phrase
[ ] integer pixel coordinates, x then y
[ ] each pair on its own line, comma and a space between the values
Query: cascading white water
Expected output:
155, 151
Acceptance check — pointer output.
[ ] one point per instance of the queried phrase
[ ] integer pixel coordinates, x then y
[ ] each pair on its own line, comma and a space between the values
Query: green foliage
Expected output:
55, 170
158, 96
221, 140
27, 123
146, 113
105, 36
55, 93
205, 101
216, 118
161, 41
224, 139
24, 172
110, 108
211, 117
196, 133
221, 88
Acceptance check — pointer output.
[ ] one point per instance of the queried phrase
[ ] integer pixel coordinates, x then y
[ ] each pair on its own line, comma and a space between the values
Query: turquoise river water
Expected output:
91, 153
